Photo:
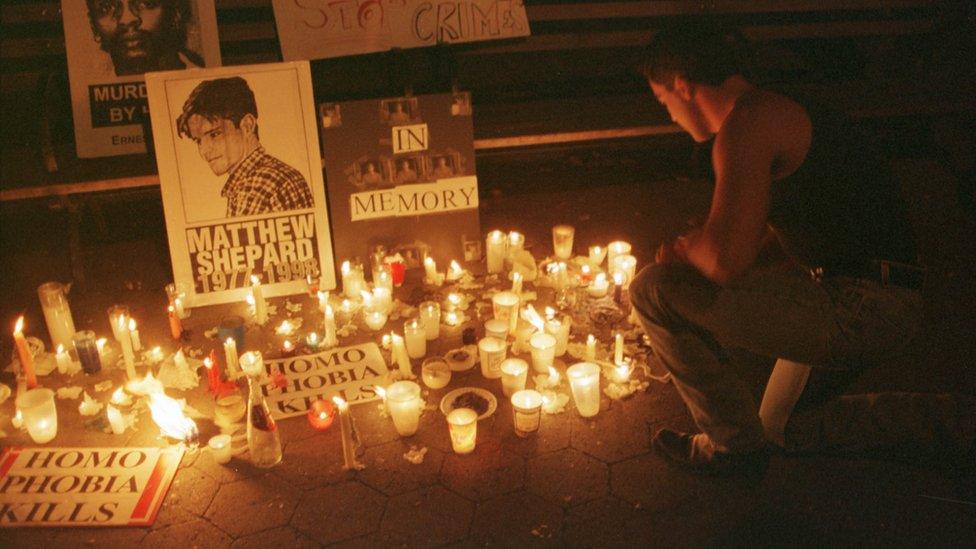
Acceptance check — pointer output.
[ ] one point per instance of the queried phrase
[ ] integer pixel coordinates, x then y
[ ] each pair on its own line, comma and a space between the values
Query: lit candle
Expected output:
590, 348
454, 272
599, 286
543, 348
331, 338
527, 408
585, 274
175, 326
453, 301
505, 306
516, 242
463, 427
430, 271
383, 279
321, 414
435, 372
618, 286
560, 330
346, 308
348, 435
176, 292
621, 372
517, 283
401, 357
562, 241
252, 364
584, 380
382, 299
287, 348
496, 327
404, 403
618, 348
353, 281
24, 354
115, 315
153, 356
213, 377
127, 354
134, 334
615, 248
375, 320
553, 379
323, 300
221, 448
57, 312
430, 315
286, 328
103, 350
491, 352
63, 359
514, 373
495, 252
312, 341
39, 414
597, 255
415, 338
260, 305
231, 358
120, 397
452, 318
626, 265
115, 419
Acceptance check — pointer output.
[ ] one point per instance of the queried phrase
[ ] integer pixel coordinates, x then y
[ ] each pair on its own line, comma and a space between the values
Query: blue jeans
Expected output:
838, 323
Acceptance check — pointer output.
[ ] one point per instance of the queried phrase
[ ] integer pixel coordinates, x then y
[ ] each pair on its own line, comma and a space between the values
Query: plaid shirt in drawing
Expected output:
263, 184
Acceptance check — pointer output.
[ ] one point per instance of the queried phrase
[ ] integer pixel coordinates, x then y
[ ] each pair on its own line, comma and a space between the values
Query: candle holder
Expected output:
543, 349
491, 352
435, 372
514, 373
220, 447
115, 314
321, 414
504, 306
584, 380
430, 315
415, 338
463, 426
615, 248
57, 312
176, 293
527, 412
495, 247
404, 404
39, 414
87, 350
496, 328
562, 241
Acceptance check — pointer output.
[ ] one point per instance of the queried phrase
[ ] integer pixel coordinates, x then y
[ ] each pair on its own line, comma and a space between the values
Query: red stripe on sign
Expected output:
151, 486
8, 459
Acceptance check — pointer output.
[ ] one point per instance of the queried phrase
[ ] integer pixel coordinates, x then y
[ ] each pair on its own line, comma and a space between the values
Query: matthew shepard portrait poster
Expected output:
401, 174
241, 177
110, 45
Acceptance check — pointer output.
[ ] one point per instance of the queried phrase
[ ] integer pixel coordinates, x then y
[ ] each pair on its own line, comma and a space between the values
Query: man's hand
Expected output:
677, 249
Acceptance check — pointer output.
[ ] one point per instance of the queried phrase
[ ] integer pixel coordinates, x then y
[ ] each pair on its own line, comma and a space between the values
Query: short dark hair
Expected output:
229, 98
701, 52
176, 13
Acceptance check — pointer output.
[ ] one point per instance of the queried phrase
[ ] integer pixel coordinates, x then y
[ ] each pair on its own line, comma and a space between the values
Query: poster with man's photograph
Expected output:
401, 174
241, 177
111, 44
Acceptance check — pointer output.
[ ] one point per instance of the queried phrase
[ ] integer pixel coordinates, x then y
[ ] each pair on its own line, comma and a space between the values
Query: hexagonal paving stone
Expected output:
313, 462
516, 519
339, 512
611, 436
598, 523
567, 477
285, 536
485, 473
265, 501
388, 471
195, 533
425, 518
189, 495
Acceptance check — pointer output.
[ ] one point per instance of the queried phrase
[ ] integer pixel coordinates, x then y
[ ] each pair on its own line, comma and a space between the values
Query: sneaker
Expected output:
698, 453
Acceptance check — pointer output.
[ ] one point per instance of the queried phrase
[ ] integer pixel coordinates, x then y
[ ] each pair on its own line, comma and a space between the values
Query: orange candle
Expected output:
23, 352
175, 326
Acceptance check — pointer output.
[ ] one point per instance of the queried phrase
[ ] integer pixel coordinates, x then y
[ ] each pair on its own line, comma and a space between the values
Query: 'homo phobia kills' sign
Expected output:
350, 372
84, 486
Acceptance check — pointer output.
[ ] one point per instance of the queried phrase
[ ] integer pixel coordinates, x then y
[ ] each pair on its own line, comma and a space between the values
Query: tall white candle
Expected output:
353, 281
430, 270
331, 339
584, 380
114, 314
231, 357
260, 305
401, 356
127, 354
57, 312
514, 373
517, 283
348, 435
618, 348
495, 251
134, 335
430, 315
415, 338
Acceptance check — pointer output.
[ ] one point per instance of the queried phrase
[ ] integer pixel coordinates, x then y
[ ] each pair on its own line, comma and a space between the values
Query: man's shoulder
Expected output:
270, 166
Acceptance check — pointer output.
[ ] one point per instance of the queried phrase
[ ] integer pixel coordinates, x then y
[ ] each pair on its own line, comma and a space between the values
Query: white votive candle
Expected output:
463, 426
514, 373
599, 286
597, 255
231, 358
505, 305
584, 380
435, 372
495, 251
430, 315
39, 414
375, 320
615, 248
527, 411
416, 338
220, 447
562, 241
404, 404
543, 348
625, 264
63, 360
618, 348
491, 352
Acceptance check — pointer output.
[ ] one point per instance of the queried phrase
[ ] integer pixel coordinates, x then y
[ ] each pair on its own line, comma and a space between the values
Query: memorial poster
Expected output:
241, 180
84, 486
401, 174
349, 372
110, 45
317, 29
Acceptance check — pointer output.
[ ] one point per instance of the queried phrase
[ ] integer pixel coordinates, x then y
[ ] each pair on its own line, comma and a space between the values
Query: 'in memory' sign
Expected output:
84, 486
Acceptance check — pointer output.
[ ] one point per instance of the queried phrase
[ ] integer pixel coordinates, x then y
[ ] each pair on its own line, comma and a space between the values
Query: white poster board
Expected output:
110, 45
84, 486
241, 180
317, 29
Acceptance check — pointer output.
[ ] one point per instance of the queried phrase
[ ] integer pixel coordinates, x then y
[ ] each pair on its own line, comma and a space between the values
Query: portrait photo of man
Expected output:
443, 167
406, 170
143, 35
221, 117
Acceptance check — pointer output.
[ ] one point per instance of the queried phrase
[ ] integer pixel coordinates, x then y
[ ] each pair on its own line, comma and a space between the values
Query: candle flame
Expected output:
19, 327
454, 299
255, 280
515, 237
208, 363
600, 279
386, 340
285, 328
323, 297
121, 322
367, 298
132, 325
168, 415
329, 313
550, 313
380, 391
585, 269
429, 262
530, 315
287, 346
340, 403
455, 267
618, 278
60, 348
496, 235
249, 298
100, 343
171, 309
345, 267
590, 339
313, 338
553, 375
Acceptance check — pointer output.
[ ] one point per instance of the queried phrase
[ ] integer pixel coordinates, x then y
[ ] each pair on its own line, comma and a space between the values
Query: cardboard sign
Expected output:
110, 44
350, 372
317, 29
84, 486
241, 179
401, 174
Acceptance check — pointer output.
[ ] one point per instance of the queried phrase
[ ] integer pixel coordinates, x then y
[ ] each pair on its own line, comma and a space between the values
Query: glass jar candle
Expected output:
39, 414
562, 241
514, 372
88, 353
404, 404
415, 338
504, 306
491, 353
584, 380
57, 312
543, 349
435, 372
527, 412
430, 315
463, 426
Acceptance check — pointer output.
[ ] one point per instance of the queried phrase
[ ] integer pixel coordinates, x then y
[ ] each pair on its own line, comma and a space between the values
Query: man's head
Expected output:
681, 60
140, 35
220, 116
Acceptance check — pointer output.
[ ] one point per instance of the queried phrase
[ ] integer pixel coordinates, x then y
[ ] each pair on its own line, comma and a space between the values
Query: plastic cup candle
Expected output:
562, 241
543, 349
416, 338
495, 251
176, 294
382, 299
527, 412
597, 255
353, 281
115, 420
590, 348
615, 248
625, 264
404, 404
57, 312
435, 372
599, 286
220, 447
430, 315
39, 414
496, 327
516, 242
115, 313
24, 354
505, 305
321, 414
491, 352
375, 320
87, 349
463, 425
260, 305
560, 330
514, 372
63, 360
584, 380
